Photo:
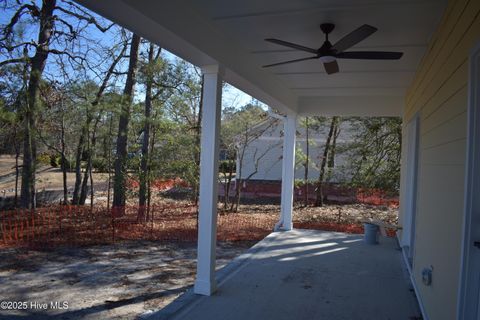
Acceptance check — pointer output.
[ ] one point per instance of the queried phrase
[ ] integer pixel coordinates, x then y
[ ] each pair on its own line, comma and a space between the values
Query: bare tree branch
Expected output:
15, 60
86, 17
33, 10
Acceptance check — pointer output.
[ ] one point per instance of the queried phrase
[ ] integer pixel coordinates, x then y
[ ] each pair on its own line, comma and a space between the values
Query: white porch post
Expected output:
207, 222
288, 171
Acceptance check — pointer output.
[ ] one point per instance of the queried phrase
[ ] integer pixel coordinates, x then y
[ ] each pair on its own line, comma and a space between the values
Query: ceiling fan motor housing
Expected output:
327, 27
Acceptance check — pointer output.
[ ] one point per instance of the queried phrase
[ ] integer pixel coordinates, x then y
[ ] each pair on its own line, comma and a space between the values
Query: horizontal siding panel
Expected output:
453, 13
455, 59
431, 101
453, 106
444, 155
455, 82
452, 130
450, 57
440, 204
446, 90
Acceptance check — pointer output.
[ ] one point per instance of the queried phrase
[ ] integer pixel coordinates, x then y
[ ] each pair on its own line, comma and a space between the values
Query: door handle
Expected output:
477, 244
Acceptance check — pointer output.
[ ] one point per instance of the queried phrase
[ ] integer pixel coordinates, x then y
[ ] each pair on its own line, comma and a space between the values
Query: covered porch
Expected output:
293, 274
306, 274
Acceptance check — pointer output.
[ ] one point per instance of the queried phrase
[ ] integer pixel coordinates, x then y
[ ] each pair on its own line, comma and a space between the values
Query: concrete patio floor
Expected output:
305, 274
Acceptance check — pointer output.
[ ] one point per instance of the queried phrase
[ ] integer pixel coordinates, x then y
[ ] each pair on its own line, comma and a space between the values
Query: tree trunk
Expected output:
92, 190
198, 133
321, 178
238, 176
109, 162
149, 187
238, 185
144, 167
119, 178
88, 170
17, 171
85, 129
64, 161
78, 159
333, 149
307, 158
27, 197
227, 181
84, 181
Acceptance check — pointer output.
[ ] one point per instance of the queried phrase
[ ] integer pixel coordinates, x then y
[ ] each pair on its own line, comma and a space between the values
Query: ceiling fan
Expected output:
328, 53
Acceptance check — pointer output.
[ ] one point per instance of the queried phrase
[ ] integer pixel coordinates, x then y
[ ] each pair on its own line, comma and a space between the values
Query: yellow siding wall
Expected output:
439, 95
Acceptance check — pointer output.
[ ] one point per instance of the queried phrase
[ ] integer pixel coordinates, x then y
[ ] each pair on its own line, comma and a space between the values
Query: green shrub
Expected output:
43, 158
100, 164
226, 166
55, 160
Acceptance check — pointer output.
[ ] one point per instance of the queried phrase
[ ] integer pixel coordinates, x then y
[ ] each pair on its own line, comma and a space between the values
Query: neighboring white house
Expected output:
262, 155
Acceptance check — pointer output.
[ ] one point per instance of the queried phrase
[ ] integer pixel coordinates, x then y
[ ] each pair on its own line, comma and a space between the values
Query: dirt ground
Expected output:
47, 177
7, 164
102, 282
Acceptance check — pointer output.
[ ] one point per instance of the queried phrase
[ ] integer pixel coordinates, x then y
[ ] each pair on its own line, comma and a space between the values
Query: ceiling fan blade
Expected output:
289, 61
353, 38
370, 55
331, 67
291, 45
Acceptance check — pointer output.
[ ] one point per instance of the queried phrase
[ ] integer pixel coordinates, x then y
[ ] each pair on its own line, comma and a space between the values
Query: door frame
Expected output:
468, 293
410, 187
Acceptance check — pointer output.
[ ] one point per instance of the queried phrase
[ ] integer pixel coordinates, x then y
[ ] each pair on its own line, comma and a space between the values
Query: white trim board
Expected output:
468, 294
414, 285
409, 188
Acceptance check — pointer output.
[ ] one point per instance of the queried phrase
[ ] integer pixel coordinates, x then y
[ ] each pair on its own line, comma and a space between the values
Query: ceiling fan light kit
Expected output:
327, 59
328, 53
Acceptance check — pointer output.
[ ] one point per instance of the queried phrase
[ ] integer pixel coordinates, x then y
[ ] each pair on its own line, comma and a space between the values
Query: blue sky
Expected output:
232, 97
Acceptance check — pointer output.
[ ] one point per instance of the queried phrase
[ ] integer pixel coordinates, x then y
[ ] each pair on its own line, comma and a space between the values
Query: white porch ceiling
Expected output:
232, 34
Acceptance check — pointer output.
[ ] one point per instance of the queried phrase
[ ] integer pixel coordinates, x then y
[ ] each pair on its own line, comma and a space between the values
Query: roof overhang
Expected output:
231, 33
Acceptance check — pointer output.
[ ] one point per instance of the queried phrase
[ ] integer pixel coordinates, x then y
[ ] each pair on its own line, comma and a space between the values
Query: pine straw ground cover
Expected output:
343, 218
170, 220
340, 218
173, 221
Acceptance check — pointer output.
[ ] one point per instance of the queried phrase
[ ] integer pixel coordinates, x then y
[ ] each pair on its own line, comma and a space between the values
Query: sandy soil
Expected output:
47, 177
102, 282
7, 164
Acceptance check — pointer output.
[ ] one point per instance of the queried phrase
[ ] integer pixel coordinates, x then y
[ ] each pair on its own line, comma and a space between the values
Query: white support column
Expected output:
207, 221
288, 171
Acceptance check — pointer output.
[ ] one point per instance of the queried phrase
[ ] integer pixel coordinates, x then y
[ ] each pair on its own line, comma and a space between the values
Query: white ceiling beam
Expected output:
374, 106
375, 5
352, 92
